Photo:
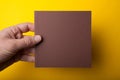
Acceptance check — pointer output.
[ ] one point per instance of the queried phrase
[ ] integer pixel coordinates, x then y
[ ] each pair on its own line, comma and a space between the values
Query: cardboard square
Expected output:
66, 38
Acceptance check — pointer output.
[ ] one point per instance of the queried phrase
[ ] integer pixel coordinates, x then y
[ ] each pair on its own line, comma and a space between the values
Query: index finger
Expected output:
25, 27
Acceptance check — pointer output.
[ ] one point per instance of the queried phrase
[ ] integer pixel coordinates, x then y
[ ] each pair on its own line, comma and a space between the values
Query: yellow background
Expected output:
105, 39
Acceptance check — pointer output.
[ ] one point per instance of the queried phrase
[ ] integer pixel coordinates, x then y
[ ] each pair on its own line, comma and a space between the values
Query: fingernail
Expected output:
37, 38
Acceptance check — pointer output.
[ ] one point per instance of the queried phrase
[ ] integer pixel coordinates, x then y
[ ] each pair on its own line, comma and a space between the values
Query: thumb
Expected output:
28, 41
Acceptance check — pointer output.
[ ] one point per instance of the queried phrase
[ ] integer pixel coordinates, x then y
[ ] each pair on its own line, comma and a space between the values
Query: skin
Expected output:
15, 46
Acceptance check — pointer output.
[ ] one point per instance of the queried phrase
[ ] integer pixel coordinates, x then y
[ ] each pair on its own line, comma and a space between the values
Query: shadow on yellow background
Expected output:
105, 39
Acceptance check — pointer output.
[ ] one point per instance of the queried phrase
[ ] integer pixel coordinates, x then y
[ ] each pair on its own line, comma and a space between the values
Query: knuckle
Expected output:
13, 30
28, 41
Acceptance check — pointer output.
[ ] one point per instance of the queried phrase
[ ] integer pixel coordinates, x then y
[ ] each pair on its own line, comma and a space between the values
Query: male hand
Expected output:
14, 46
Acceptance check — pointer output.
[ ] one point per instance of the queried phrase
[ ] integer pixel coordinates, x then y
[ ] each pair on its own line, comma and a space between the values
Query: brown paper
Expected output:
66, 38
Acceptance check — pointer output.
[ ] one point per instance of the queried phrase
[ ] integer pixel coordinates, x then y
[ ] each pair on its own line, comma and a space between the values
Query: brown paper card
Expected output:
66, 38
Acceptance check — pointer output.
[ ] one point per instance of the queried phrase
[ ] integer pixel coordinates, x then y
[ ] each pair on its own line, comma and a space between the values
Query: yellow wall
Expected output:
105, 39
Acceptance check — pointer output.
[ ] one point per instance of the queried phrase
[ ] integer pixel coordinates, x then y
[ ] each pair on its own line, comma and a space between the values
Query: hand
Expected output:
14, 46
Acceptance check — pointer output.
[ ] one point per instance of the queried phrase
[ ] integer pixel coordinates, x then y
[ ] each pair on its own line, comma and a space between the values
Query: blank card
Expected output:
66, 38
